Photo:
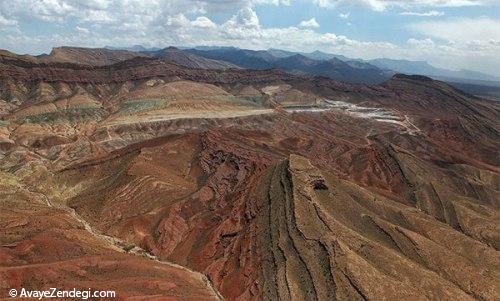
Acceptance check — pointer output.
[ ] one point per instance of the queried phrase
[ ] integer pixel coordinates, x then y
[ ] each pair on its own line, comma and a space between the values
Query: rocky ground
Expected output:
158, 180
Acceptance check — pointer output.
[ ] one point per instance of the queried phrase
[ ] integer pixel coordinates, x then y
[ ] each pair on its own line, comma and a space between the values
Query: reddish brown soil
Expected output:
314, 205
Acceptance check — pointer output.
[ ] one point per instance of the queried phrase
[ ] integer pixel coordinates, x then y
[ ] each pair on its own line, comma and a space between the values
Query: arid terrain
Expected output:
164, 181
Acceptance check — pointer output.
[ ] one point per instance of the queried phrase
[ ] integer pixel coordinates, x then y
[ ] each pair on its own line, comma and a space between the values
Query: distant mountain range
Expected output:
248, 59
329, 66
315, 63
112, 55
424, 68
265, 59
315, 55
334, 66
135, 48
187, 59
407, 67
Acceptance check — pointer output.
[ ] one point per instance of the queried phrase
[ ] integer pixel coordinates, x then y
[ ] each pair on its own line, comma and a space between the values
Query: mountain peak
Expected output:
413, 77
299, 56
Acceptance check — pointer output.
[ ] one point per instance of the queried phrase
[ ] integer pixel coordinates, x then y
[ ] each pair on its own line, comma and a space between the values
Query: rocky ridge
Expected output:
274, 186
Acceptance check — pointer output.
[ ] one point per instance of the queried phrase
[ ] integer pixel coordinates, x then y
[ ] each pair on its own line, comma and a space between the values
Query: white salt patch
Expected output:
378, 114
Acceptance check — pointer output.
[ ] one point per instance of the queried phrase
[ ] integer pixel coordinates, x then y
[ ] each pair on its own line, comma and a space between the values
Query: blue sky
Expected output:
454, 34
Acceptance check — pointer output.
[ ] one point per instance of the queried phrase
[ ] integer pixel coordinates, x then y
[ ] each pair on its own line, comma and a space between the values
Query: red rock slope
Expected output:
274, 186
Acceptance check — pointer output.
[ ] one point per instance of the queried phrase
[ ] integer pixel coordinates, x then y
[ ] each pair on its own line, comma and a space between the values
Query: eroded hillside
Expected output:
273, 186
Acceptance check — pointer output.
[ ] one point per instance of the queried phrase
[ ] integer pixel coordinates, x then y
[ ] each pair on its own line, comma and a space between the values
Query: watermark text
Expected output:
57, 293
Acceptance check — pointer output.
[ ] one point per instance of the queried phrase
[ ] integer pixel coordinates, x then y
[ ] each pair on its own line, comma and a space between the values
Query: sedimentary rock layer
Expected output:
271, 185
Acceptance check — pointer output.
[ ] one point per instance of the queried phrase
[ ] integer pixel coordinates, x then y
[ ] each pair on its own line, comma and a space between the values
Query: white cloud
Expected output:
460, 29
381, 5
245, 17
274, 2
431, 13
7, 22
82, 30
344, 15
373, 4
425, 43
178, 21
470, 43
116, 11
203, 22
311, 23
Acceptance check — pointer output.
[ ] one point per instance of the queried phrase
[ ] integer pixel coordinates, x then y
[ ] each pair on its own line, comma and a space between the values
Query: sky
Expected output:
452, 34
